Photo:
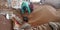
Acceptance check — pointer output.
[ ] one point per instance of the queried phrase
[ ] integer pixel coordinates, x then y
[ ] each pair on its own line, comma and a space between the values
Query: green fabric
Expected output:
25, 4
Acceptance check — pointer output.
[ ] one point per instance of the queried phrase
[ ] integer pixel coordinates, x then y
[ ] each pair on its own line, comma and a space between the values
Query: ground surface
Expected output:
39, 15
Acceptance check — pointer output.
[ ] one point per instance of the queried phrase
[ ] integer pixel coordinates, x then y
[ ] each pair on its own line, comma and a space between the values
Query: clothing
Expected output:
26, 26
25, 5
31, 7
